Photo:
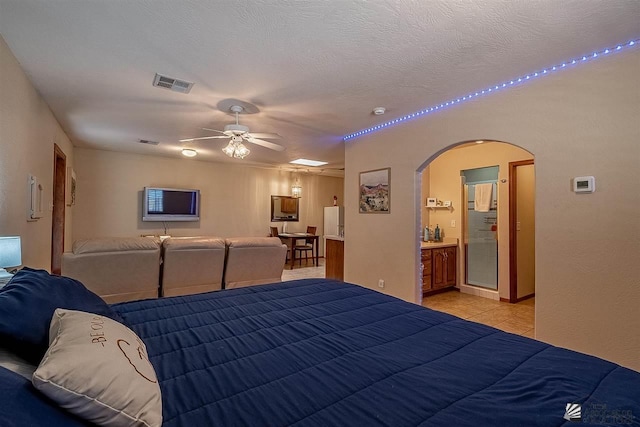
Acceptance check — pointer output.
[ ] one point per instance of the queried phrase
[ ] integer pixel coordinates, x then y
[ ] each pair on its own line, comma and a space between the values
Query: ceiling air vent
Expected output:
146, 141
170, 83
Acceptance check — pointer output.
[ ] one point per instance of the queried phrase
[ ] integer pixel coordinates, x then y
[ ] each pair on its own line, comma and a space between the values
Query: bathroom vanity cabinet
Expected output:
439, 265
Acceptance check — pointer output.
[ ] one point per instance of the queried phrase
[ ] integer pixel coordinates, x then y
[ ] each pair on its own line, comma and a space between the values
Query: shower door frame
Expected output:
465, 232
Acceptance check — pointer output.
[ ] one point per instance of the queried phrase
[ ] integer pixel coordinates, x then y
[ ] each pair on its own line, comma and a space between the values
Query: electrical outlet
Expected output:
453, 223
381, 283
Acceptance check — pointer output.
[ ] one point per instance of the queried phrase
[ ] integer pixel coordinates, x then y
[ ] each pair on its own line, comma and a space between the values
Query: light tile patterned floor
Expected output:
515, 318
304, 272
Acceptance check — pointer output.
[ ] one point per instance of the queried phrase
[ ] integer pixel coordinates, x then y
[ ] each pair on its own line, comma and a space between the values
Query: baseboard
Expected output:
519, 299
438, 291
485, 293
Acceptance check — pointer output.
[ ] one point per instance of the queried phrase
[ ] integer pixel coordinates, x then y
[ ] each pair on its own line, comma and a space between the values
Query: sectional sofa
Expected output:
126, 269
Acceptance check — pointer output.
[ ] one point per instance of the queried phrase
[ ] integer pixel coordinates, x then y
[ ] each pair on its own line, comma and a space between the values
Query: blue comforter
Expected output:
325, 353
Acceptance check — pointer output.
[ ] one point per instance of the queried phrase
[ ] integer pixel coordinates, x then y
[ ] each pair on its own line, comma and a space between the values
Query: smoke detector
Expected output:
378, 111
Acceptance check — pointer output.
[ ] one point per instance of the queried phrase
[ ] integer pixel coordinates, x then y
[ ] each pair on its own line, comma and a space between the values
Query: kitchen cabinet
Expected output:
289, 205
439, 267
334, 262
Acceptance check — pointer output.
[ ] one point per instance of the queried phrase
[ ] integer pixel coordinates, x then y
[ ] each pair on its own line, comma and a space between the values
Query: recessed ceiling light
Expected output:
378, 111
479, 142
306, 162
189, 152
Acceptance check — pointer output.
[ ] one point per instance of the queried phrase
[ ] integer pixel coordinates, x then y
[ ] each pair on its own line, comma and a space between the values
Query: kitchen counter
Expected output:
334, 258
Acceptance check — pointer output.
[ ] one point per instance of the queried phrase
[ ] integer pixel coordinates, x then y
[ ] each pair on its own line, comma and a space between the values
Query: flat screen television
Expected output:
170, 204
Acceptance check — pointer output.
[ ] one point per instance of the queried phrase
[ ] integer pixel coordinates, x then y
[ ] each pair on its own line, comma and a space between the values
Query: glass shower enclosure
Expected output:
480, 226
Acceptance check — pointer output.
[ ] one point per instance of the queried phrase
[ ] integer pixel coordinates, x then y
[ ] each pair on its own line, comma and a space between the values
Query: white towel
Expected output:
482, 201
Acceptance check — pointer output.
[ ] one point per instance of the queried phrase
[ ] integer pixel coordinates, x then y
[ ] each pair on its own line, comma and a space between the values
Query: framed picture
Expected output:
375, 191
431, 202
70, 188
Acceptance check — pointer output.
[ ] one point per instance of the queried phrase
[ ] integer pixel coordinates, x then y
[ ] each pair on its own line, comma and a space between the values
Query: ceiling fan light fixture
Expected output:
241, 151
229, 149
189, 152
236, 149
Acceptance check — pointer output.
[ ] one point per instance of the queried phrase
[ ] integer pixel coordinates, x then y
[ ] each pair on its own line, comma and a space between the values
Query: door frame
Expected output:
58, 213
513, 242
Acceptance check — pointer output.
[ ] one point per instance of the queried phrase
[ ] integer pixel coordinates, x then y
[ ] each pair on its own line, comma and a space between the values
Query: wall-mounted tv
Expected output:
170, 204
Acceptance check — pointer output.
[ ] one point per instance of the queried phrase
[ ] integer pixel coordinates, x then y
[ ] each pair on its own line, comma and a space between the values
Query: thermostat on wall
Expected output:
584, 184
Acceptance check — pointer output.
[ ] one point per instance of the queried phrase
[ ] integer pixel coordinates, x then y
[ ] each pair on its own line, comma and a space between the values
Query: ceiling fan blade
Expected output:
203, 137
265, 144
213, 130
265, 135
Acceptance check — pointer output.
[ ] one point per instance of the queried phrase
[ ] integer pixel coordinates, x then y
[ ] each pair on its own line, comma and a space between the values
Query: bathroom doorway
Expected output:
522, 267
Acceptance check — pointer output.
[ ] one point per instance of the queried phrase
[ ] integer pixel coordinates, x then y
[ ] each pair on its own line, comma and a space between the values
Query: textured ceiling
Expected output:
314, 69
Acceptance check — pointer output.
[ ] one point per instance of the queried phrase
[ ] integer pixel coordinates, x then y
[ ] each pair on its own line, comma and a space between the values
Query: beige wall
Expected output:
235, 199
441, 179
580, 121
28, 131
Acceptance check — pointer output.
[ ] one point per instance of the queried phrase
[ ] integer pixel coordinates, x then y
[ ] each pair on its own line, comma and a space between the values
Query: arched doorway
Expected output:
449, 181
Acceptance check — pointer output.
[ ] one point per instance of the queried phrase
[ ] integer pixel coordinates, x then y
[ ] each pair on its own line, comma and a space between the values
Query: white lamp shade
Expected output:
10, 251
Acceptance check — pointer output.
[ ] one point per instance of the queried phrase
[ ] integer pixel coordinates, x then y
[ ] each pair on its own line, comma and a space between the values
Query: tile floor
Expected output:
304, 272
515, 318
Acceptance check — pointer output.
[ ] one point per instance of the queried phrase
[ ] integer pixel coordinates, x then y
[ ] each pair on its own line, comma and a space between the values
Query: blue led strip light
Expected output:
489, 90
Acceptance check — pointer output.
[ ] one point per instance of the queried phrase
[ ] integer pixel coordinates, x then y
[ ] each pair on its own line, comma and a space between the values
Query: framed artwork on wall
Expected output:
70, 187
375, 191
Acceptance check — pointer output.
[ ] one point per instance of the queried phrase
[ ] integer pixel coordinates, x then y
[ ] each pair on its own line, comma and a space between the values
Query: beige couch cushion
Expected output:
117, 269
253, 261
192, 265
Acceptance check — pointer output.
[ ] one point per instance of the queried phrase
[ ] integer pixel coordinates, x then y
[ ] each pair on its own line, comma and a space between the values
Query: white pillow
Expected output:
98, 369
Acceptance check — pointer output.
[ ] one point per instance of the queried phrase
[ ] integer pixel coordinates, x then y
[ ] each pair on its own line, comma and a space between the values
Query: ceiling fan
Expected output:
238, 133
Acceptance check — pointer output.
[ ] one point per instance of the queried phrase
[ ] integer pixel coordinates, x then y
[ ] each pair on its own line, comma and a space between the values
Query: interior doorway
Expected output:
58, 214
443, 179
522, 246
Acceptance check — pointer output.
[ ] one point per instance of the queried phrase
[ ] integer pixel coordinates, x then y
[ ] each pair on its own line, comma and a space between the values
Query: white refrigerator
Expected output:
333, 222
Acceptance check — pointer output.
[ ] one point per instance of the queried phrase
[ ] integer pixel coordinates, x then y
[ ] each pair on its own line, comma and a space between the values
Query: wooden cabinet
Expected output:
439, 267
289, 205
426, 270
334, 262
444, 267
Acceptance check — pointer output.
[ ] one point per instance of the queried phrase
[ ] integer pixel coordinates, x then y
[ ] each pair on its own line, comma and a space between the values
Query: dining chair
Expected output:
308, 246
275, 233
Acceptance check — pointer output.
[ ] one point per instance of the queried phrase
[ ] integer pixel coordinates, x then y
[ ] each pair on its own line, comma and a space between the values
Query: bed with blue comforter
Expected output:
319, 352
